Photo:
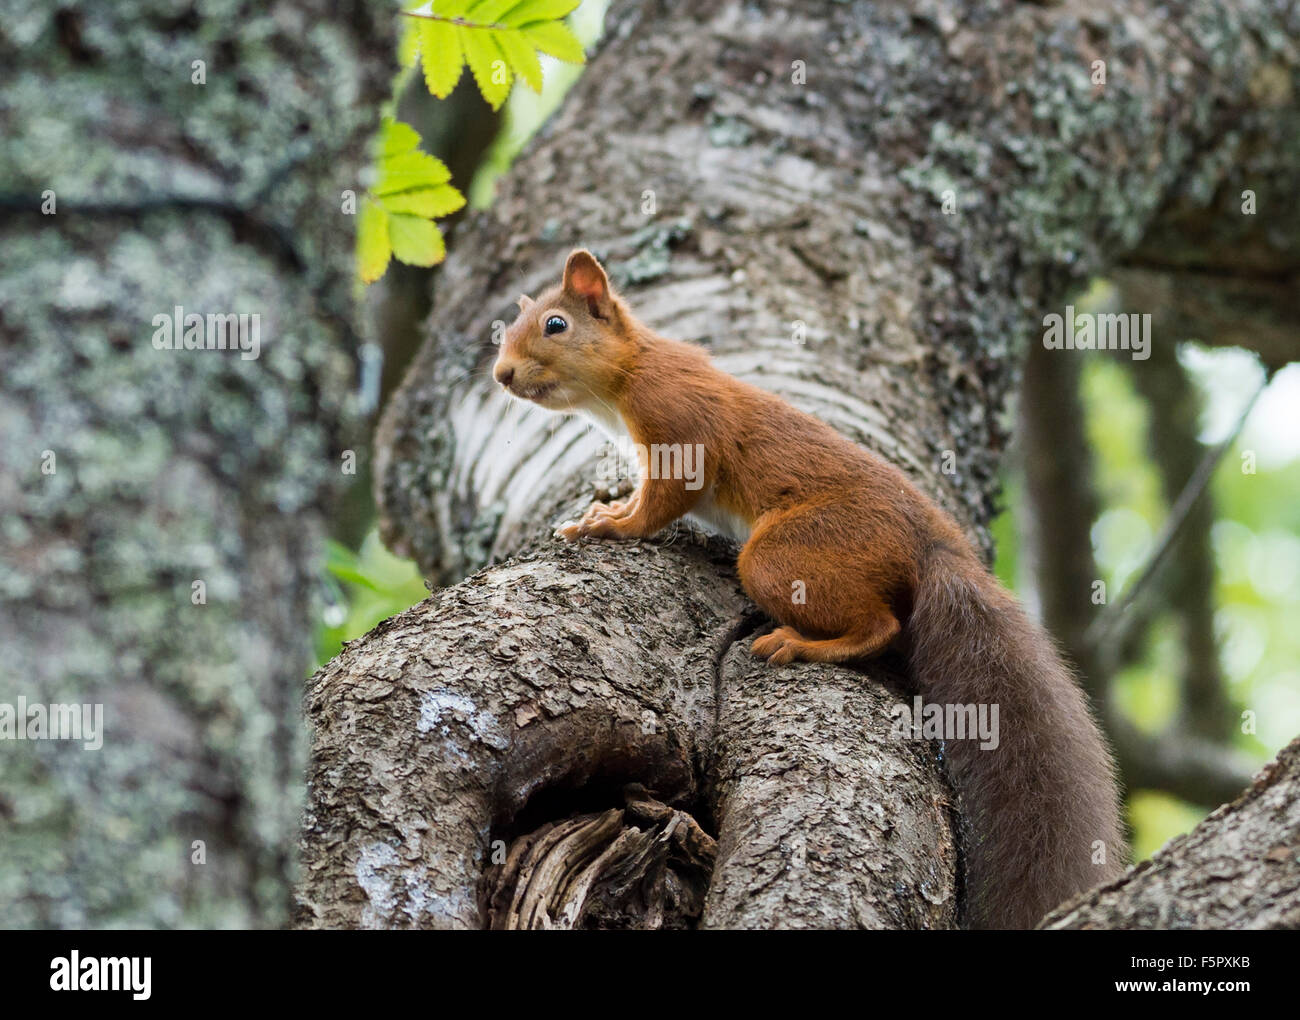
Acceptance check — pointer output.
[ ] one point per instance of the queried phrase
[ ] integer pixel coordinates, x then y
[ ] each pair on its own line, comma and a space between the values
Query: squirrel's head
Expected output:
569, 348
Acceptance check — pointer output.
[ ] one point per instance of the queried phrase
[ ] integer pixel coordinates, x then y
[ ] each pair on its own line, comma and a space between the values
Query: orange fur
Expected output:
879, 564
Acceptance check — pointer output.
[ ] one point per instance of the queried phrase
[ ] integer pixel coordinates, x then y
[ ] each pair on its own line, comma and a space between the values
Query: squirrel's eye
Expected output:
555, 325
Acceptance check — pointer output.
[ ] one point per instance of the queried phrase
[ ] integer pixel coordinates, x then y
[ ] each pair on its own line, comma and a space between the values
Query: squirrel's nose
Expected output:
505, 375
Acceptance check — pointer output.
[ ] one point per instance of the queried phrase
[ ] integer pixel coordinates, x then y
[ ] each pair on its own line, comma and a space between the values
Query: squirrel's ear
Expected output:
525, 302
584, 278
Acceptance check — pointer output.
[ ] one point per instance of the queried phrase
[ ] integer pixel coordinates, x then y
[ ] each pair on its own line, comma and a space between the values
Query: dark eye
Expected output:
555, 325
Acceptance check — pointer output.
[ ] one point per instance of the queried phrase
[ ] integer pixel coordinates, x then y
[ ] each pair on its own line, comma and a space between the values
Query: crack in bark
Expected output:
646, 865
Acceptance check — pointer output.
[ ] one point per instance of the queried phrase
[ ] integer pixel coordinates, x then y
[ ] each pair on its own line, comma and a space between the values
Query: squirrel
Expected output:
881, 564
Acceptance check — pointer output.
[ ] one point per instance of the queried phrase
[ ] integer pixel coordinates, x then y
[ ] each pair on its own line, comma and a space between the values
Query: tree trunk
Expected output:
876, 243
170, 467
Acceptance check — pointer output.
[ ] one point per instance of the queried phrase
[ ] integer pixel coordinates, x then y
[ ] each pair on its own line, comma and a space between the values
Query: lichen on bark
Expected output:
170, 466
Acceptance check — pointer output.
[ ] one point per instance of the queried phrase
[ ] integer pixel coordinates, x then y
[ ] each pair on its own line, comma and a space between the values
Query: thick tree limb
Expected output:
1256, 313
570, 673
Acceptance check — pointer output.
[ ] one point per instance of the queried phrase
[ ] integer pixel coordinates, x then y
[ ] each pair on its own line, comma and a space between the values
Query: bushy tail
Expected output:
1040, 810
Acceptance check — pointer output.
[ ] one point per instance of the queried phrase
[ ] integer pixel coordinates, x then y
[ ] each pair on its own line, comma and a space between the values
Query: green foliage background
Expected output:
1256, 542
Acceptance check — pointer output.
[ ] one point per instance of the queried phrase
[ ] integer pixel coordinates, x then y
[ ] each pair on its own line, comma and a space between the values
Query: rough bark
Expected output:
548, 678
783, 212
170, 466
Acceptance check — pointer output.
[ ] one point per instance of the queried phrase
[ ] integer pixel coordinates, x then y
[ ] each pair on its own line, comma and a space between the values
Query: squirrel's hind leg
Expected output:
812, 592
785, 644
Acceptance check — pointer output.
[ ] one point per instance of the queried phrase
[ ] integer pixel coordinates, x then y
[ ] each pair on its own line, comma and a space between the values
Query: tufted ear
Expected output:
525, 302
585, 279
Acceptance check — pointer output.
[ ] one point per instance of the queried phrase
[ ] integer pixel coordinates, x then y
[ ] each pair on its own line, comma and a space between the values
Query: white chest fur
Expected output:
607, 419
710, 516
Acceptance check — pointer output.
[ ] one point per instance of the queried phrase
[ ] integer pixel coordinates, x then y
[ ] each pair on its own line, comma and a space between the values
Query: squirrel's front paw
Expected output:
600, 521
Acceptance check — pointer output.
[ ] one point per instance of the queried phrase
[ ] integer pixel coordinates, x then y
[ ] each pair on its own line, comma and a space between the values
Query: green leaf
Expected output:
491, 70
352, 576
537, 10
488, 12
521, 57
410, 170
415, 241
397, 214
373, 248
442, 8
499, 39
441, 57
429, 203
396, 138
555, 38
338, 555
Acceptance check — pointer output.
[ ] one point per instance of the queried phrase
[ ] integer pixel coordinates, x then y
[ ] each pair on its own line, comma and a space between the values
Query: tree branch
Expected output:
1240, 868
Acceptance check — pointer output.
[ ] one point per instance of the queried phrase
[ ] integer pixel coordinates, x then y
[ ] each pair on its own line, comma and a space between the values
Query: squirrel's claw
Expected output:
570, 531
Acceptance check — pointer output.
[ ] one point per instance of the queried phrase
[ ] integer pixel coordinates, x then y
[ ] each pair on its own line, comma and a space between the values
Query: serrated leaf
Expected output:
488, 64
410, 170
430, 203
537, 10
396, 138
373, 247
415, 241
555, 38
440, 56
521, 56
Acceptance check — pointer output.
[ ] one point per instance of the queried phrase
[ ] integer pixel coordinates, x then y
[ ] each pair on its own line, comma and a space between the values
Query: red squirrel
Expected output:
880, 564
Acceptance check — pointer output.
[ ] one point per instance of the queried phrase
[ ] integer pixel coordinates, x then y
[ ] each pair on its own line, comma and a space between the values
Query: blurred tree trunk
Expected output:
1056, 543
866, 207
214, 186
